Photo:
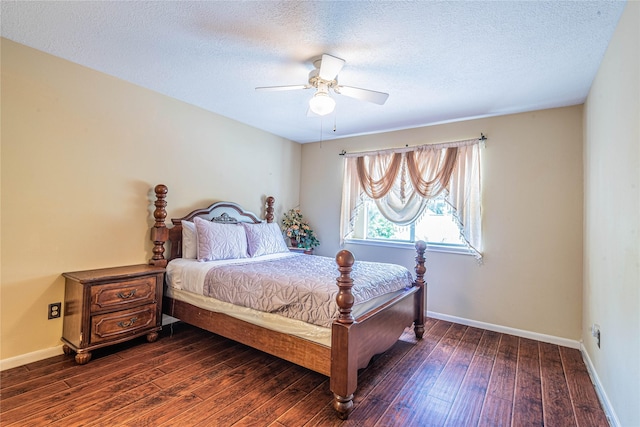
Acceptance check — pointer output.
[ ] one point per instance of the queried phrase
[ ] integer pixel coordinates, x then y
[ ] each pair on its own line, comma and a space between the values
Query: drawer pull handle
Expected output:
131, 293
130, 322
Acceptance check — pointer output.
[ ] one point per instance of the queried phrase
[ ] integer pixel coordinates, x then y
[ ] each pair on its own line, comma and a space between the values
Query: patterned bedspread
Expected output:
301, 287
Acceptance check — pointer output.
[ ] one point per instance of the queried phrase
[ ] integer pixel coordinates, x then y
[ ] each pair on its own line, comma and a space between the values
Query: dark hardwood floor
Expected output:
455, 376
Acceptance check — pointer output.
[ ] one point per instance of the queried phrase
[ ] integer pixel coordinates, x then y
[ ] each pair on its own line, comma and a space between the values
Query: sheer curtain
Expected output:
401, 181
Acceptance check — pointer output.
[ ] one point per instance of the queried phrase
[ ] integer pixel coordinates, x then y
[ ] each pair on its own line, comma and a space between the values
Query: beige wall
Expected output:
531, 278
81, 152
612, 219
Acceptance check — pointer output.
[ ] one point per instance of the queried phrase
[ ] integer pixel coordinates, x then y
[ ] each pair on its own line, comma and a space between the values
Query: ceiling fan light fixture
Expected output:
321, 103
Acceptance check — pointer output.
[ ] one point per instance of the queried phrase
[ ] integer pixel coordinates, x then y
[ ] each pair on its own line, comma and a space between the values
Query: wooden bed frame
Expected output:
354, 341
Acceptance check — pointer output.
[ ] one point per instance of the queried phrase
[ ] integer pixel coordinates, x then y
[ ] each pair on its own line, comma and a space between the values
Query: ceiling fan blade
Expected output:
363, 94
279, 88
330, 67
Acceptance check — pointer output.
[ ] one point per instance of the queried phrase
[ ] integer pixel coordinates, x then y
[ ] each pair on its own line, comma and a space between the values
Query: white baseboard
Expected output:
604, 399
565, 342
35, 356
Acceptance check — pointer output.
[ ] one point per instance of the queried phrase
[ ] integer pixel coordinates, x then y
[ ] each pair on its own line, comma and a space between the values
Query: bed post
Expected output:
420, 283
159, 232
344, 369
269, 214
345, 299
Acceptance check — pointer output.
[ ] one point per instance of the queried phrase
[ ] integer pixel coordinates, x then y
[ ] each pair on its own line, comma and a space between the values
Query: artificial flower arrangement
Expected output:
298, 230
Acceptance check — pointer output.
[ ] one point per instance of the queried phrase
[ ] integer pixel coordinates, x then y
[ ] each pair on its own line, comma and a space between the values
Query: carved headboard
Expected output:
222, 212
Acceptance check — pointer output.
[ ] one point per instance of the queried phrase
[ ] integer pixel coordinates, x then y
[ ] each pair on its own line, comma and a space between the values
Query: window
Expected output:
436, 226
430, 192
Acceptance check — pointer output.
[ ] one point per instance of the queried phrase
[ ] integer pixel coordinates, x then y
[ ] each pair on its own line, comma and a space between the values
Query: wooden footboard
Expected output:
353, 341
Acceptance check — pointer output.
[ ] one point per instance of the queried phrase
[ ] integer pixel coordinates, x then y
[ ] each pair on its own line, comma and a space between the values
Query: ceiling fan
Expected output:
325, 77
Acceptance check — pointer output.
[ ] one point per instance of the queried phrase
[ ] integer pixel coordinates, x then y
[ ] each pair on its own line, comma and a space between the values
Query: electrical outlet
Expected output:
54, 310
595, 332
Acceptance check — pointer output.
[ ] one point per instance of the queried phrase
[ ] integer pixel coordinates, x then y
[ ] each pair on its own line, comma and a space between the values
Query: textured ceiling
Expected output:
439, 61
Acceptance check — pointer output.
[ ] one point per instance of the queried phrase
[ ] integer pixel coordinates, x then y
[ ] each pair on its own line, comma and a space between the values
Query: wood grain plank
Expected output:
468, 403
496, 413
165, 414
413, 399
28, 396
8, 374
233, 385
278, 404
527, 404
150, 356
489, 344
34, 383
114, 404
583, 395
194, 366
22, 374
498, 404
444, 391
451, 377
304, 410
38, 402
155, 401
242, 366
555, 392
467, 406
257, 395
180, 389
88, 400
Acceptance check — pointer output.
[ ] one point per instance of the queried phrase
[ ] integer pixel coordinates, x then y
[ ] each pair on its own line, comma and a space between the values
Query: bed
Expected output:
359, 328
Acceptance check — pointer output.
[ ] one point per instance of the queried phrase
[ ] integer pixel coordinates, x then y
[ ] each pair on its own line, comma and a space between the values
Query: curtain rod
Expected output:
482, 139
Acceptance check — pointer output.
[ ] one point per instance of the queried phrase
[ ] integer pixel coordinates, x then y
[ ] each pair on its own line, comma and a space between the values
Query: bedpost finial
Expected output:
344, 258
161, 189
269, 215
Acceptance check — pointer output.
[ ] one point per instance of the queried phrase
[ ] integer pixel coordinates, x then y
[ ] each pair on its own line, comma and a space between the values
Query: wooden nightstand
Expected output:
111, 305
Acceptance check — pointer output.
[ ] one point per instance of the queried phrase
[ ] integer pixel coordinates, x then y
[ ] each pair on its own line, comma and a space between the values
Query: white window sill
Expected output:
431, 247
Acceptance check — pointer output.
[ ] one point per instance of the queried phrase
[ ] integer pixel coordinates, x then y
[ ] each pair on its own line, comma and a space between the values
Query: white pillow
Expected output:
189, 240
220, 241
264, 239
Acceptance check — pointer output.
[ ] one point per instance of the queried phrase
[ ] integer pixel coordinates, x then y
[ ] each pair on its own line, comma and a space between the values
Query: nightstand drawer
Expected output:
111, 326
122, 294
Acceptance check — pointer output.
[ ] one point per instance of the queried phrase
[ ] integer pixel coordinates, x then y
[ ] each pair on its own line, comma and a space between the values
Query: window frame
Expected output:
453, 248
431, 247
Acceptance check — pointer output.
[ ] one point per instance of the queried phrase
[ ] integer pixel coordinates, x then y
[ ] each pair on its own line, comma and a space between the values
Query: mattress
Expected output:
274, 303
